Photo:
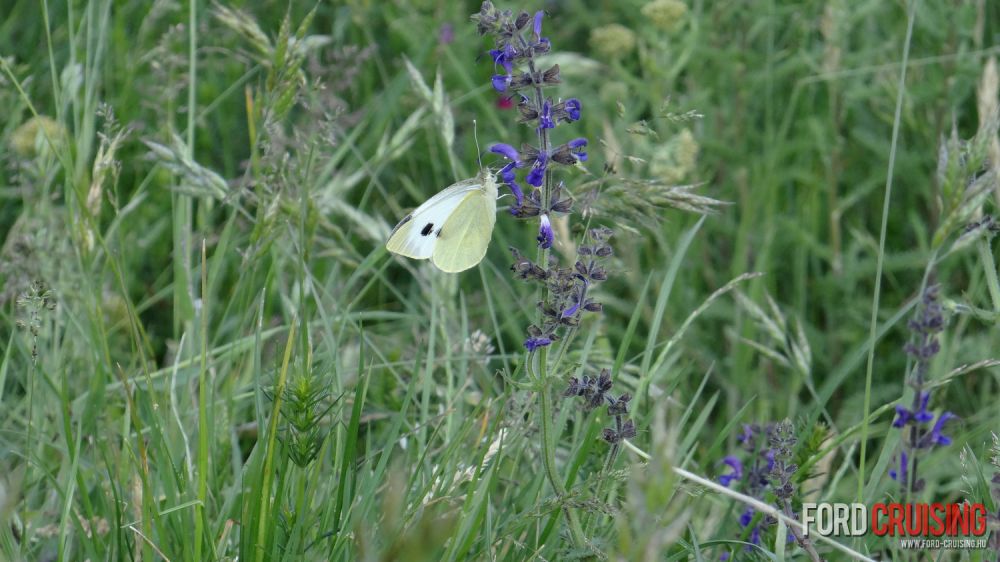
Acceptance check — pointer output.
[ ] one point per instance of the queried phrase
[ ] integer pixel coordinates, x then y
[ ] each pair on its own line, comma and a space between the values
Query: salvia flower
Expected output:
936, 437
572, 108
737, 470
545, 234
566, 292
767, 473
904, 415
545, 120
501, 82
538, 167
531, 344
927, 322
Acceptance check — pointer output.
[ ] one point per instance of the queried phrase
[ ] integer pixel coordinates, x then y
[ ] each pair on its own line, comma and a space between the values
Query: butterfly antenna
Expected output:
475, 134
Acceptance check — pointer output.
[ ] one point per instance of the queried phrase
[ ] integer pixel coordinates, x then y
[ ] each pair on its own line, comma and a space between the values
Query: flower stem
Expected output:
549, 447
800, 538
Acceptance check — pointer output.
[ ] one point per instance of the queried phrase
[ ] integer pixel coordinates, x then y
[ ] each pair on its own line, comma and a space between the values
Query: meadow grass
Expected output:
206, 353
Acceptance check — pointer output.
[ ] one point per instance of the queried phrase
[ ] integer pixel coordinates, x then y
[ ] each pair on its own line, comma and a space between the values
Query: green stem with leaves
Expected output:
549, 438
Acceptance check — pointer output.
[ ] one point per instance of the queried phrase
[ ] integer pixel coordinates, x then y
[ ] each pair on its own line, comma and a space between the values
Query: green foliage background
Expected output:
188, 235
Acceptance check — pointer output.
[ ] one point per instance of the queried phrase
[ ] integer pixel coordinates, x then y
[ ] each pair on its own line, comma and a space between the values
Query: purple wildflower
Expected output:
537, 173
737, 473
938, 438
501, 81
531, 344
505, 150
577, 146
545, 120
545, 235
572, 107
905, 415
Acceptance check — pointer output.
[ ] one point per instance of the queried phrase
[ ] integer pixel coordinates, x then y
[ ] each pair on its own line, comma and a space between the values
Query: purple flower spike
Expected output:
573, 108
545, 235
505, 150
531, 344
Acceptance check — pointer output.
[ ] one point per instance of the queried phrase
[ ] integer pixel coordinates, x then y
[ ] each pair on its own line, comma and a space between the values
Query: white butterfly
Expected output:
453, 228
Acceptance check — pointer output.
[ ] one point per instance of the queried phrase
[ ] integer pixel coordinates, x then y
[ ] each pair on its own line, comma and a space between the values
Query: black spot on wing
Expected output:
427, 229
439, 233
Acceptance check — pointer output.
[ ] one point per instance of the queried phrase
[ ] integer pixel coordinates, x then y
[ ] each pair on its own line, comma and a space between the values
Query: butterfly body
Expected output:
453, 228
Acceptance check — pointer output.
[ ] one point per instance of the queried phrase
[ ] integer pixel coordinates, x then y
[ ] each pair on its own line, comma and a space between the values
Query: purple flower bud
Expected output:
545, 235
538, 25
505, 150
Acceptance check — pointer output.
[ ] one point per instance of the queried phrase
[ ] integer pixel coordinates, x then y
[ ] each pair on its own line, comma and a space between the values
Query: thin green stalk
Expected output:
205, 396
549, 439
873, 325
990, 266
184, 217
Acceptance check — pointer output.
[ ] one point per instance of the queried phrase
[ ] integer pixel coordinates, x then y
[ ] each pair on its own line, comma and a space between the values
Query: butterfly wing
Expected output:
417, 234
464, 237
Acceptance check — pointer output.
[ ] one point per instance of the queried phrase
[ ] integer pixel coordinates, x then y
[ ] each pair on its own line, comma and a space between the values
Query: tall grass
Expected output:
206, 353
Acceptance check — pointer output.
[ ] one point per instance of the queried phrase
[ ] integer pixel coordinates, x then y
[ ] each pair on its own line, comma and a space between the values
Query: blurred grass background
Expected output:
169, 215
